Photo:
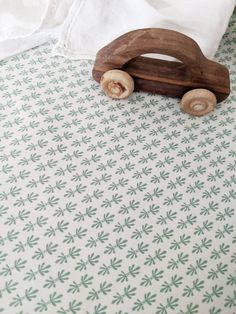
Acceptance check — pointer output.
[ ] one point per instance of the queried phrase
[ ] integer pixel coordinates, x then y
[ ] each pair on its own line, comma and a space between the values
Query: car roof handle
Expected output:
153, 40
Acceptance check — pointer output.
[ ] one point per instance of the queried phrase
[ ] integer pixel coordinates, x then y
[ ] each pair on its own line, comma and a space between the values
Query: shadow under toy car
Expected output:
120, 68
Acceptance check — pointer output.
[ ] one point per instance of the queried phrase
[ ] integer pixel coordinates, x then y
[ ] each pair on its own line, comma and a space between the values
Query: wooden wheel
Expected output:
198, 102
117, 84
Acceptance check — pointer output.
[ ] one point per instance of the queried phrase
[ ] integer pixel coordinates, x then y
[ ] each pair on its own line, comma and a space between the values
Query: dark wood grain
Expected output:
160, 76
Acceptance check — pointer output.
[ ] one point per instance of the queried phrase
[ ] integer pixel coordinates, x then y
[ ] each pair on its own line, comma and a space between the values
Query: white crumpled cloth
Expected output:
25, 24
93, 24
82, 27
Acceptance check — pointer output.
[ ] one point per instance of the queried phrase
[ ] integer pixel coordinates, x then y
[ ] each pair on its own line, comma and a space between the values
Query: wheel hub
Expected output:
116, 88
199, 105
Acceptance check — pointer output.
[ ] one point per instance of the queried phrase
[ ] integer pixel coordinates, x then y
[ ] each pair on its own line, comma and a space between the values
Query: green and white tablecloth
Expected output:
113, 207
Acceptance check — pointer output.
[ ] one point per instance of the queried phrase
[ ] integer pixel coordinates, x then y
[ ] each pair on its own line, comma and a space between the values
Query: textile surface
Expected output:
90, 24
113, 207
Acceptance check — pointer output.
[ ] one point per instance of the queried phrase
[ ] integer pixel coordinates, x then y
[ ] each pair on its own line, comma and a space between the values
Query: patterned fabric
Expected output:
113, 207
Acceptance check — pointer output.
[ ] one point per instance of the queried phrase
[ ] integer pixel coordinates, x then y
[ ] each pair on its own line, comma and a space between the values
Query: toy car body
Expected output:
195, 73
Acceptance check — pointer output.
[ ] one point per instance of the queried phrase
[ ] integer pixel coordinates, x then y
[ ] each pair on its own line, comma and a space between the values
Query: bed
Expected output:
113, 207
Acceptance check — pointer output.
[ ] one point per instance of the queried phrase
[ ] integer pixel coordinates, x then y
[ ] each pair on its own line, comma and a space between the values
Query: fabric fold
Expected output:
21, 18
82, 27
51, 20
93, 24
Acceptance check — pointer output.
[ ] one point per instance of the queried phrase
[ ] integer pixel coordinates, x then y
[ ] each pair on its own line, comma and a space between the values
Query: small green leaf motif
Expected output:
43, 306
73, 307
148, 299
129, 292
171, 303
216, 292
156, 275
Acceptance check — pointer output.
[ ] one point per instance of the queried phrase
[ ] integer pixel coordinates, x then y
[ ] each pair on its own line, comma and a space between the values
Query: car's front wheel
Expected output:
198, 102
117, 84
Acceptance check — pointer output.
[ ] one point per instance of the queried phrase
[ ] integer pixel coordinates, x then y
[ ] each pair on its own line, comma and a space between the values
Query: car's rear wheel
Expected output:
117, 84
198, 102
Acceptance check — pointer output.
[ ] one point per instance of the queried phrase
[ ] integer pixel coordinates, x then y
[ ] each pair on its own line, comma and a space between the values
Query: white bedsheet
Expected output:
21, 18
25, 24
91, 24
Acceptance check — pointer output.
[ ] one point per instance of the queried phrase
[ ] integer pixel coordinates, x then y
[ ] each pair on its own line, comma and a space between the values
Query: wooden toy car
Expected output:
120, 68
